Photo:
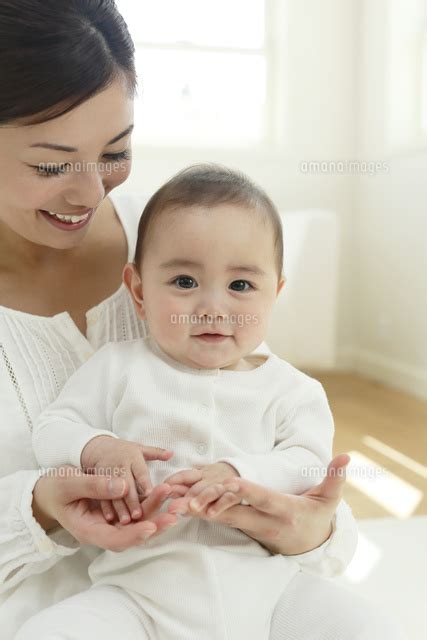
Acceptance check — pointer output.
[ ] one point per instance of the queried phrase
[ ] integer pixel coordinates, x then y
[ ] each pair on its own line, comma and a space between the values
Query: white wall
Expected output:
317, 45
390, 225
332, 64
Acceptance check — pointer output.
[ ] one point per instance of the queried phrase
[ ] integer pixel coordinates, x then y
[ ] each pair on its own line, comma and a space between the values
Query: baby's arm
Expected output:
303, 444
76, 429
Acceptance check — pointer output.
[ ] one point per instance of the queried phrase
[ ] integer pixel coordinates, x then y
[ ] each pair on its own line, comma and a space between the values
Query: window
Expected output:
203, 69
407, 121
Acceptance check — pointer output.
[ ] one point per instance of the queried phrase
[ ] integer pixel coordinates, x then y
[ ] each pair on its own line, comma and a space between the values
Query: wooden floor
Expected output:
389, 428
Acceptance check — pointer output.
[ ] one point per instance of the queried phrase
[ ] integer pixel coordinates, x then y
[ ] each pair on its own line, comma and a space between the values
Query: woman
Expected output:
66, 111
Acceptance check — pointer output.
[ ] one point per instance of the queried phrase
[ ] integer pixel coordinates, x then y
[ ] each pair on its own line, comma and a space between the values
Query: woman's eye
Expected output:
185, 282
122, 155
240, 285
48, 170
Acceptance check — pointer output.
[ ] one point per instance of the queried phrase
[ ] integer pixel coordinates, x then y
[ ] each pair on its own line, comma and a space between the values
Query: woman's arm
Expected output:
43, 519
299, 525
25, 547
317, 527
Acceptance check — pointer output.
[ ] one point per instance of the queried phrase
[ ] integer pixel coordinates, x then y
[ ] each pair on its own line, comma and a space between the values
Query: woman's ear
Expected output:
280, 285
133, 282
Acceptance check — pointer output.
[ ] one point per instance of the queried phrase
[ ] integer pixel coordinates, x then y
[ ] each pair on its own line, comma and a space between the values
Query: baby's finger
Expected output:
122, 511
178, 506
206, 496
108, 510
156, 453
132, 498
142, 477
226, 501
187, 477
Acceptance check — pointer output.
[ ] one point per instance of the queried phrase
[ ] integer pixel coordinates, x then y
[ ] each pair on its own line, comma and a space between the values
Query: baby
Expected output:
207, 271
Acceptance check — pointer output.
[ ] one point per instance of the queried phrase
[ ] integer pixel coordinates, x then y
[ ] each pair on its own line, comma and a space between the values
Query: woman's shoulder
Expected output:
128, 208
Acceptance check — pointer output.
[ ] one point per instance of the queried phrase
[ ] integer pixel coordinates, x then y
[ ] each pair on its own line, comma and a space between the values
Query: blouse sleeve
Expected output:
25, 548
334, 555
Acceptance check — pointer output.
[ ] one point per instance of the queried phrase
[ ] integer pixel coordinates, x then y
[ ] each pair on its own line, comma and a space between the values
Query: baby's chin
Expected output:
209, 359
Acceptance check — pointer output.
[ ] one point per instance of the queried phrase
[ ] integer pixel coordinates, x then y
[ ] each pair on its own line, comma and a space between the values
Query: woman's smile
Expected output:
70, 222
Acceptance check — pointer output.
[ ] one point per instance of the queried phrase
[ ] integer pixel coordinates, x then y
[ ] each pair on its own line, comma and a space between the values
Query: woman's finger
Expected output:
187, 477
264, 499
76, 485
117, 537
179, 506
225, 501
156, 453
255, 524
197, 488
164, 521
178, 490
332, 486
206, 495
151, 504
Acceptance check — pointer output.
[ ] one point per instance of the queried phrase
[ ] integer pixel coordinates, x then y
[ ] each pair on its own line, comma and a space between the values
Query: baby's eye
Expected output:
241, 285
185, 282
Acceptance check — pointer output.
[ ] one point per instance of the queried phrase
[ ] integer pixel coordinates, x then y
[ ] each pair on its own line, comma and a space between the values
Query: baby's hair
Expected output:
209, 185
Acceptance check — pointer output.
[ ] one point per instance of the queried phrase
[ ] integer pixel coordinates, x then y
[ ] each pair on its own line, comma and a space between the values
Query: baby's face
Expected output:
209, 282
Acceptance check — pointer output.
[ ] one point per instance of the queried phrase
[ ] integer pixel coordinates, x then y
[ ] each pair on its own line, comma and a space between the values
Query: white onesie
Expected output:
198, 579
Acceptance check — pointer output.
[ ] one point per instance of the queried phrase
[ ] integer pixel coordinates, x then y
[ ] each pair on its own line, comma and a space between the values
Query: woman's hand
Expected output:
67, 498
283, 523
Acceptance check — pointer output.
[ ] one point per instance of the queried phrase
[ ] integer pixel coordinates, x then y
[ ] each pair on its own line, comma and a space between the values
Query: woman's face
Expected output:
96, 135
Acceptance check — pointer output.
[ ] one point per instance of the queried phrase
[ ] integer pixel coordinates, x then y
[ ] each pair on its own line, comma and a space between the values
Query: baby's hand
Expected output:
113, 456
201, 486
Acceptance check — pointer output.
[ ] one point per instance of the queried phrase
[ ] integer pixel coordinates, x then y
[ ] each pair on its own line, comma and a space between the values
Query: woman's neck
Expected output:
17, 254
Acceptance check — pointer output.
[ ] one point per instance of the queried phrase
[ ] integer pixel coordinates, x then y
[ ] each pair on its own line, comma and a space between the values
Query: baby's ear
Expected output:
132, 279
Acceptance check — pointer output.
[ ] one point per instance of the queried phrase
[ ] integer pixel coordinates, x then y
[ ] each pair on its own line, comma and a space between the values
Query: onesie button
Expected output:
201, 448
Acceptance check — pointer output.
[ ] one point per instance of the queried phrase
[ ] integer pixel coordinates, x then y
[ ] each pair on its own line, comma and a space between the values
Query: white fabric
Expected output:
271, 423
310, 608
37, 356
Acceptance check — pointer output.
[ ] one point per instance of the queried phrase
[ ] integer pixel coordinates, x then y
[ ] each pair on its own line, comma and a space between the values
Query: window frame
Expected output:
272, 118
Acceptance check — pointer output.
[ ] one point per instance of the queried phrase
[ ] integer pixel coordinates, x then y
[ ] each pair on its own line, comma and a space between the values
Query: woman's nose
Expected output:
88, 188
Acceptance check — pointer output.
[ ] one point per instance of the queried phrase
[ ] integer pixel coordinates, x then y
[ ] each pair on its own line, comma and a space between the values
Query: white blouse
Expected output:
37, 355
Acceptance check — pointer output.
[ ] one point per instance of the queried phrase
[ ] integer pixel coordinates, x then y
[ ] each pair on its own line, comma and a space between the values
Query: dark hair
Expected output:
55, 55
209, 185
